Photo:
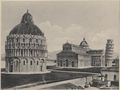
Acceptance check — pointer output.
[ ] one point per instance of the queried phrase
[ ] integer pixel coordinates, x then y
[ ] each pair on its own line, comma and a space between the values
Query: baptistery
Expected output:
25, 47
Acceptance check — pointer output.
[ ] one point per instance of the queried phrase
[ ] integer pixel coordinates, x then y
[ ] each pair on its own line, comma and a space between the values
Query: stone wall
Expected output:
12, 80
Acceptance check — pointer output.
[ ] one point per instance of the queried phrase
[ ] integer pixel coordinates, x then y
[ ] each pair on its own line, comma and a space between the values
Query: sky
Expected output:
67, 21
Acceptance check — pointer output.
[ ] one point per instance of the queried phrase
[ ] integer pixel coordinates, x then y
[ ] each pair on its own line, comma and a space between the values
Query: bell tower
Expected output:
109, 53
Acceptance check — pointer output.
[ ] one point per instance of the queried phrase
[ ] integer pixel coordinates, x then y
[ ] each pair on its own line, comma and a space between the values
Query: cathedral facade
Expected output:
80, 56
25, 47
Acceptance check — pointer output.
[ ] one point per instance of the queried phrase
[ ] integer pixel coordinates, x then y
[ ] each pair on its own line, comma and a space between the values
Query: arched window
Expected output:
37, 40
24, 44
106, 64
66, 63
72, 64
42, 60
11, 68
61, 63
9, 45
30, 39
114, 77
23, 62
37, 62
17, 62
23, 39
31, 52
17, 39
21, 52
30, 62
106, 76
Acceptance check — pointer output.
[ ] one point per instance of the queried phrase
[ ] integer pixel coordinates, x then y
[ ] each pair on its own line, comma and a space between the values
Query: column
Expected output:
13, 68
20, 51
23, 52
26, 52
35, 53
29, 52
16, 52
8, 66
18, 66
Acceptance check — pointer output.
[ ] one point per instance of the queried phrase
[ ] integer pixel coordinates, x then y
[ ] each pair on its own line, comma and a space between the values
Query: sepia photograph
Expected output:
60, 45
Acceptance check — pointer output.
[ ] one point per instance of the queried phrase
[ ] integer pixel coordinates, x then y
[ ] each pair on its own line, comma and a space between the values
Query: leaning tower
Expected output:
109, 53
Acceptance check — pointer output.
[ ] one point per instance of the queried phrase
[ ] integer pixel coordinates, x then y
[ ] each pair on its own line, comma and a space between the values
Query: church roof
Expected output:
27, 26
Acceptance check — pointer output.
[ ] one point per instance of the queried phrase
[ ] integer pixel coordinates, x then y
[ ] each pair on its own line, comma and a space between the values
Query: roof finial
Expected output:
67, 41
27, 10
84, 39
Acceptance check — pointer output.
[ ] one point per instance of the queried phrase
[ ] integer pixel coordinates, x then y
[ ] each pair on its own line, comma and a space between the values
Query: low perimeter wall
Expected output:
12, 80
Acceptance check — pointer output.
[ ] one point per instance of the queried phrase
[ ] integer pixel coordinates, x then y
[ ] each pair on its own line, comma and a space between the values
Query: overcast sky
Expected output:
97, 21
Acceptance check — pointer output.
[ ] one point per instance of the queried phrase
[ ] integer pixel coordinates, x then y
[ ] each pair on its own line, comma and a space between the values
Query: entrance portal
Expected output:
11, 68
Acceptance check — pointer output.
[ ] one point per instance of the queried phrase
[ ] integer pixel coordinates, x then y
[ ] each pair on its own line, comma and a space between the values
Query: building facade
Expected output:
79, 56
25, 47
97, 57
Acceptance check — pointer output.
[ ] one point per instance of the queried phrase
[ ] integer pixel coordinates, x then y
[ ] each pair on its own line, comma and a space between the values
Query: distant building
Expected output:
79, 56
51, 62
26, 49
111, 73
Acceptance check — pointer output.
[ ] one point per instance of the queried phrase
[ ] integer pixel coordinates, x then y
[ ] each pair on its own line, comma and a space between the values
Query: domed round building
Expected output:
26, 48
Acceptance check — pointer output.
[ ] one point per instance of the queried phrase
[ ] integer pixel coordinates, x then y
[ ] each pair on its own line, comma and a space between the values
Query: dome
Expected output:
84, 43
27, 26
67, 43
